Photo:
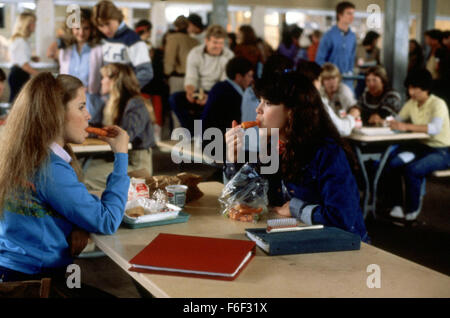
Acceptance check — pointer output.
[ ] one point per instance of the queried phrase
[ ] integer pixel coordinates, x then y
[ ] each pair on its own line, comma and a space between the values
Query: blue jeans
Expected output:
427, 160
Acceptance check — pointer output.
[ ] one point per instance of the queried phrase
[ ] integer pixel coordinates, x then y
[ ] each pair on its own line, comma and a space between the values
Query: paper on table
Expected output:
375, 131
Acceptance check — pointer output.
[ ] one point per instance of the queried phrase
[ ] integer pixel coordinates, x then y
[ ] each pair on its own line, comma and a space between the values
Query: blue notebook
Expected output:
328, 239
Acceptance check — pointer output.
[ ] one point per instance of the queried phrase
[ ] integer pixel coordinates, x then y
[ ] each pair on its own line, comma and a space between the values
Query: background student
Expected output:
121, 44
338, 45
344, 124
45, 203
315, 183
340, 97
125, 108
205, 67
427, 113
379, 100
225, 98
20, 53
82, 57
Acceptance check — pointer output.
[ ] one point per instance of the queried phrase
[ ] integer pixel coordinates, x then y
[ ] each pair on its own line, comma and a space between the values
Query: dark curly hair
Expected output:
309, 125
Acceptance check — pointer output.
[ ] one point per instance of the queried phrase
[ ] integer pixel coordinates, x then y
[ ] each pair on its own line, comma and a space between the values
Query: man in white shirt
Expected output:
205, 67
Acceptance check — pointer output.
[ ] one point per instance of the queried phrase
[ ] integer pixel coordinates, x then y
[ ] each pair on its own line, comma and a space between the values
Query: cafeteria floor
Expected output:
427, 242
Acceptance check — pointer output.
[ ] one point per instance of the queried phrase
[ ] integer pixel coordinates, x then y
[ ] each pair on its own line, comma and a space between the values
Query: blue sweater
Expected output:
328, 193
34, 231
338, 48
126, 47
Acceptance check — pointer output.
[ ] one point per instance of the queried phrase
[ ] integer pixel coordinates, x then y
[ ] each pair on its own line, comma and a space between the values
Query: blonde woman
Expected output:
82, 57
126, 108
20, 53
340, 97
45, 203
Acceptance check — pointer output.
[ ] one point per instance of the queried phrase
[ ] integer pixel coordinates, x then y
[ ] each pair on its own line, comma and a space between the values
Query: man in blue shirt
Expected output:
338, 45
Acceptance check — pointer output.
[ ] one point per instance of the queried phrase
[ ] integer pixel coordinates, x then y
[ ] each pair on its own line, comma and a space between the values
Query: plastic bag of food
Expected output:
244, 197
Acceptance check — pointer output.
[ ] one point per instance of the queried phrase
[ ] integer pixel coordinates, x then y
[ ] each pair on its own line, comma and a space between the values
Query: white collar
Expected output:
60, 152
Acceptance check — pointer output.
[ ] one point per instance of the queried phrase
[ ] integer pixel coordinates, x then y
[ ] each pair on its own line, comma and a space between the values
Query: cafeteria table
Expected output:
335, 274
377, 147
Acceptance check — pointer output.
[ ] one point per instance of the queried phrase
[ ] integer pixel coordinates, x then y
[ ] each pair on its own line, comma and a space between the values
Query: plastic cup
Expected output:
177, 194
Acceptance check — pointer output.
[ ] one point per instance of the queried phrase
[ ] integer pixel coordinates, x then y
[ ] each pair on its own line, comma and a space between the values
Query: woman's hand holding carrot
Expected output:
234, 141
117, 138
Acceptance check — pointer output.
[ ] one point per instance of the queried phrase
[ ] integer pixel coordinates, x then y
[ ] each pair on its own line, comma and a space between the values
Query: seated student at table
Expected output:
127, 109
422, 113
344, 124
45, 206
315, 183
379, 100
82, 57
225, 98
274, 63
340, 97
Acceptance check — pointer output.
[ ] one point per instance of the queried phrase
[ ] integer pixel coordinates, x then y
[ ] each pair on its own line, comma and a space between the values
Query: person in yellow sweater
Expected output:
426, 113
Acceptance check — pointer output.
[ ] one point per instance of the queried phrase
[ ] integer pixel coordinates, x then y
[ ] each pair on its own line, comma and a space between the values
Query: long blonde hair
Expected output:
22, 25
125, 87
35, 121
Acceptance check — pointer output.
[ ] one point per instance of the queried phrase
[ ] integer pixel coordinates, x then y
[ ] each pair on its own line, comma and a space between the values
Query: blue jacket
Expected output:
328, 193
338, 48
34, 230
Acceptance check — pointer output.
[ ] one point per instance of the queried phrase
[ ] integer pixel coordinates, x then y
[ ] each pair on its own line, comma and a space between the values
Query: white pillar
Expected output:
258, 14
396, 38
45, 27
220, 13
158, 19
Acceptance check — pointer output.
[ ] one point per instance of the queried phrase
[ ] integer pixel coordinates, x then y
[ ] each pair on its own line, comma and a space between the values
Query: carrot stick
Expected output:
97, 131
249, 124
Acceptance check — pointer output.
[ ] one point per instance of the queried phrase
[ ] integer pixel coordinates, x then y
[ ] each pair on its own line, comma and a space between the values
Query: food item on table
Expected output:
97, 131
249, 124
135, 212
138, 189
244, 213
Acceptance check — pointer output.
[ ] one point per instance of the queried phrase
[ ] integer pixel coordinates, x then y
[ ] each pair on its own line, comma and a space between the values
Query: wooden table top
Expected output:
337, 274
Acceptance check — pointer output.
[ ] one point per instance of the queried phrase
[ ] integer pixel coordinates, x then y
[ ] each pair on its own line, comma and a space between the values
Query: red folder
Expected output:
194, 256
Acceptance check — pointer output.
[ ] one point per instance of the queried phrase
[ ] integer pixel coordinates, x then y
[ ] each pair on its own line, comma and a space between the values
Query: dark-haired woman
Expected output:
426, 113
315, 183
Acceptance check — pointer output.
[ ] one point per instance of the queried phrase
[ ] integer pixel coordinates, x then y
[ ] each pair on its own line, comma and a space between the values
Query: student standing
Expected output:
178, 45
121, 44
83, 58
338, 45
315, 183
20, 53
45, 203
